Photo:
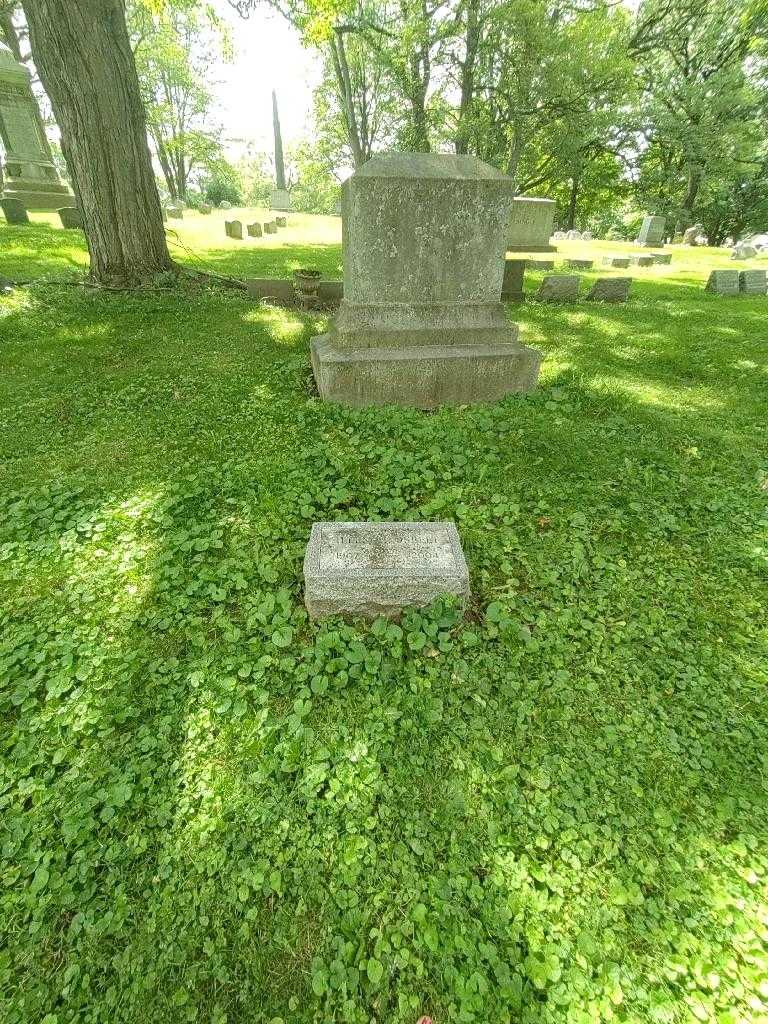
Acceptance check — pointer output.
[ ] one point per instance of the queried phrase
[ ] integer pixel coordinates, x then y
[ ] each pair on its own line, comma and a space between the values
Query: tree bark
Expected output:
85, 62
573, 200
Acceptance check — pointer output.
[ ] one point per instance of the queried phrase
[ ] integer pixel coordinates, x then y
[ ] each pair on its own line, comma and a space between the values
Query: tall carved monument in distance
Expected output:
29, 172
281, 199
421, 322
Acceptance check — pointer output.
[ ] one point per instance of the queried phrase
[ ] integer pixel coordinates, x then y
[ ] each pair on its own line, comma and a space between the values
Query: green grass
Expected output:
553, 810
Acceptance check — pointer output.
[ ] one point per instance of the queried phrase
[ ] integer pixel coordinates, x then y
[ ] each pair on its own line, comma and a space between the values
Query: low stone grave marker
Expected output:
270, 228
70, 217
641, 261
540, 264
753, 282
586, 236
281, 221
559, 288
723, 282
573, 235
580, 264
662, 258
512, 284
233, 229
254, 230
15, 211
175, 212
743, 251
281, 291
558, 236
610, 289
205, 208
621, 262
378, 569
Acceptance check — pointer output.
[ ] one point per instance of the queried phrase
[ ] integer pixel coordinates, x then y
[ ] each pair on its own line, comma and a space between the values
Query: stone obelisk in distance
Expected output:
281, 199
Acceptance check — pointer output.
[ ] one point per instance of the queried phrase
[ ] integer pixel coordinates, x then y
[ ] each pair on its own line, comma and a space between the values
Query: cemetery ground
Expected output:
213, 810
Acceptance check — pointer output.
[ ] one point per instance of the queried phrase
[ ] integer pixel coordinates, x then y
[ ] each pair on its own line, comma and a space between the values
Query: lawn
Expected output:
553, 809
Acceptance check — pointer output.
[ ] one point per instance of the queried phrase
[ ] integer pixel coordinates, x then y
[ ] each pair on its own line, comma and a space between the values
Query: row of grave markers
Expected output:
234, 228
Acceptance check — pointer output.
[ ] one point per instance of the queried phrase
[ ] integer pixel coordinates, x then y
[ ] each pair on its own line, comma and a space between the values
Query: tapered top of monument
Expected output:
429, 165
9, 66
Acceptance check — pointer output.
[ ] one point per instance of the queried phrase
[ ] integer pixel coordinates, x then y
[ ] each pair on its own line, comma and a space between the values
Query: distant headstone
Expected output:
70, 217
586, 236
270, 228
15, 211
580, 264
225, 205
205, 208
691, 234
652, 231
662, 258
753, 282
621, 262
559, 288
573, 235
421, 323
641, 261
233, 229
254, 230
175, 211
610, 289
512, 284
278, 290
723, 282
540, 264
530, 224
558, 236
378, 569
337, 208
743, 251
281, 221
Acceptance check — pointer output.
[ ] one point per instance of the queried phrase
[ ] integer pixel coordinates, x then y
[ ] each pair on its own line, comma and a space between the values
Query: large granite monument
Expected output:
530, 225
421, 323
29, 172
373, 569
652, 231
281, 198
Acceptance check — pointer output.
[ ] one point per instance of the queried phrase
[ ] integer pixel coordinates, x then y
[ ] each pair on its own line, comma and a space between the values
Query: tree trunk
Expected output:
85, 62
8, 33
573, 200
467, 77
344, 83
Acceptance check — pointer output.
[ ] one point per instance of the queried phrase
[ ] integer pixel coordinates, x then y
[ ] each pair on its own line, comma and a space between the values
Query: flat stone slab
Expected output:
753, 282
610, 289
622, 262
70, 217
512, 285
580, 264
642, 261
723, 282
663, 258
14, 210
559, 288
378, 569
540, 264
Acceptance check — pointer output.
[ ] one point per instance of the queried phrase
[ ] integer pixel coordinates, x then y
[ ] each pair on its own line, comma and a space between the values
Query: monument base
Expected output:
422, 376
50, 198
531, 248
281, 199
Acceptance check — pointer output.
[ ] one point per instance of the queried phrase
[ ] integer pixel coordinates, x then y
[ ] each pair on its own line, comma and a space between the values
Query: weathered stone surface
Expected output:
254, 230
753, 282
691, 234
225, 205
281, 199
573, 235
15, 211
331, 292
530, 224
743, 251
421, 323
558, 236
580, 264
652, 231
175, 211
610, 289
270, 228
233, 229
642, 261
512, 284
559, 288
723, 282
662, 258
621, 262
281, 221
586, 236
540, 264
205, 208
29, 172
378, 569
70, 217
276, 289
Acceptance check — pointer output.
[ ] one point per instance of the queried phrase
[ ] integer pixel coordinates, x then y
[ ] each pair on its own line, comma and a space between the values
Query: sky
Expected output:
267, 55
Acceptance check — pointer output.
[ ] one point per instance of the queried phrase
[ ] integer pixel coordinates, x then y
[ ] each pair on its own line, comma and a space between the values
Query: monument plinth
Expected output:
28, 169
373, 569
530, 225
421, 323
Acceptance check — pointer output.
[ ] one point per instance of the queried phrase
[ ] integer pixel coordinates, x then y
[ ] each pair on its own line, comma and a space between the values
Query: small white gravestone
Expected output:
373, 569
